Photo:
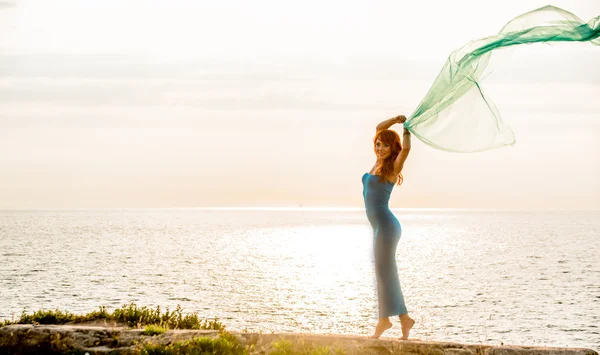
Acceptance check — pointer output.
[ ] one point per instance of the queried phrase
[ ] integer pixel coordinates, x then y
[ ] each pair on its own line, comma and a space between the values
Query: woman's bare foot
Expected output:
407, 324
382, 326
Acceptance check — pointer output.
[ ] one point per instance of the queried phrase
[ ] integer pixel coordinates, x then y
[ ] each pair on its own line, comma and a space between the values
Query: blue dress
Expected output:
386, 234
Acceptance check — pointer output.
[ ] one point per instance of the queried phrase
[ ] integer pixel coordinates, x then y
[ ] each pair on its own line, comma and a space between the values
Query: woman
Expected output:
377, 187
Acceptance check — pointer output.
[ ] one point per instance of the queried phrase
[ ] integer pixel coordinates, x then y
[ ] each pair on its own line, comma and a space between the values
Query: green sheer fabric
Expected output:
455, 115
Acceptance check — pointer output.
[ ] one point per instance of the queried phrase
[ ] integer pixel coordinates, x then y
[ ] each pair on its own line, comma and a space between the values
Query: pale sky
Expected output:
273, 103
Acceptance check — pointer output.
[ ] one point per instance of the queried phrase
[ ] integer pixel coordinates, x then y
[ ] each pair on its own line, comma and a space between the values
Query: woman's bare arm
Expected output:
401, 158
390, 122
406, 140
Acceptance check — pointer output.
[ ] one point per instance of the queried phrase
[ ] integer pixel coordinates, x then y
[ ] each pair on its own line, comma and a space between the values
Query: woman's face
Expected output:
383, 149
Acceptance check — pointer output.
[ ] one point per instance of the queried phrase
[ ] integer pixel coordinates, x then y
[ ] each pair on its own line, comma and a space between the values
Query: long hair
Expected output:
386, 167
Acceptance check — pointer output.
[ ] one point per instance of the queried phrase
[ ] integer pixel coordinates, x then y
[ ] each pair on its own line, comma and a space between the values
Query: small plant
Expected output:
225, 344
285, 347
282, 347
102, 313
131, 314
46, 317
211, 324
152, 330
115, 339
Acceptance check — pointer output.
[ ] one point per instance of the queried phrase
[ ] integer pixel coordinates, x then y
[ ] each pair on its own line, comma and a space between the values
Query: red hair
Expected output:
386, 168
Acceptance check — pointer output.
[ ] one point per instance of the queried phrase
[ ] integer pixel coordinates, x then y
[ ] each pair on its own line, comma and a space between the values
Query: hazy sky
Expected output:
275, 103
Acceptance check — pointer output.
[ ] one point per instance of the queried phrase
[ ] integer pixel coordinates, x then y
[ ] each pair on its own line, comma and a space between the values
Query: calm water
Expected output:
529, 278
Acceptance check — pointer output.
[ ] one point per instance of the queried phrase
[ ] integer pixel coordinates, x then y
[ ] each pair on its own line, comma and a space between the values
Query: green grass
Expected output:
153, 330
225, 344
131, 314
285, 347
157, 322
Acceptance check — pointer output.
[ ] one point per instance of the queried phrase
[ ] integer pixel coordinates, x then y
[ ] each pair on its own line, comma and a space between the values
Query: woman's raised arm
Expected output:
406, 140
390, 122
401, 158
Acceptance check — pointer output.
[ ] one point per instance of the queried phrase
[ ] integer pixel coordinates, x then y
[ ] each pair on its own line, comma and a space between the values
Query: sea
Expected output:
472, 276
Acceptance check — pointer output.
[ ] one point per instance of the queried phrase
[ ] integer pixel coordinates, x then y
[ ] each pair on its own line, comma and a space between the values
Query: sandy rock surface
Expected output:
98, 339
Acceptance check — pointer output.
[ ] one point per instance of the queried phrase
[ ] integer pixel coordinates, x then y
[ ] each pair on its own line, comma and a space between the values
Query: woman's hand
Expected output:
400, 119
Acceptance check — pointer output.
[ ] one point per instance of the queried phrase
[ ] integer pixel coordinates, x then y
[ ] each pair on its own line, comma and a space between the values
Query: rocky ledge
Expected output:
93, 339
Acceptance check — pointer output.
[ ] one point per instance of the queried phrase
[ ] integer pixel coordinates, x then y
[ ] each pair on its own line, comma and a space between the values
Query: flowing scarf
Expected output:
455, 115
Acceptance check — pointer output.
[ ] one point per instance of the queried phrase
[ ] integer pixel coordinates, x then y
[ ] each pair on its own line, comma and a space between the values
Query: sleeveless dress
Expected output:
386, 234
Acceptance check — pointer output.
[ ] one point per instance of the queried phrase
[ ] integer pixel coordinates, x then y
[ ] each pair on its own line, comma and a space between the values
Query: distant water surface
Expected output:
529, 278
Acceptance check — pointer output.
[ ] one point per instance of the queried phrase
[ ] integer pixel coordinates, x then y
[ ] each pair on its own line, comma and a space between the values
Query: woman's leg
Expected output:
389, 293
407, 323
383, 325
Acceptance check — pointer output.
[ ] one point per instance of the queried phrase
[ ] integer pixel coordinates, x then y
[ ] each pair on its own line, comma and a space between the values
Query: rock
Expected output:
35, 339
